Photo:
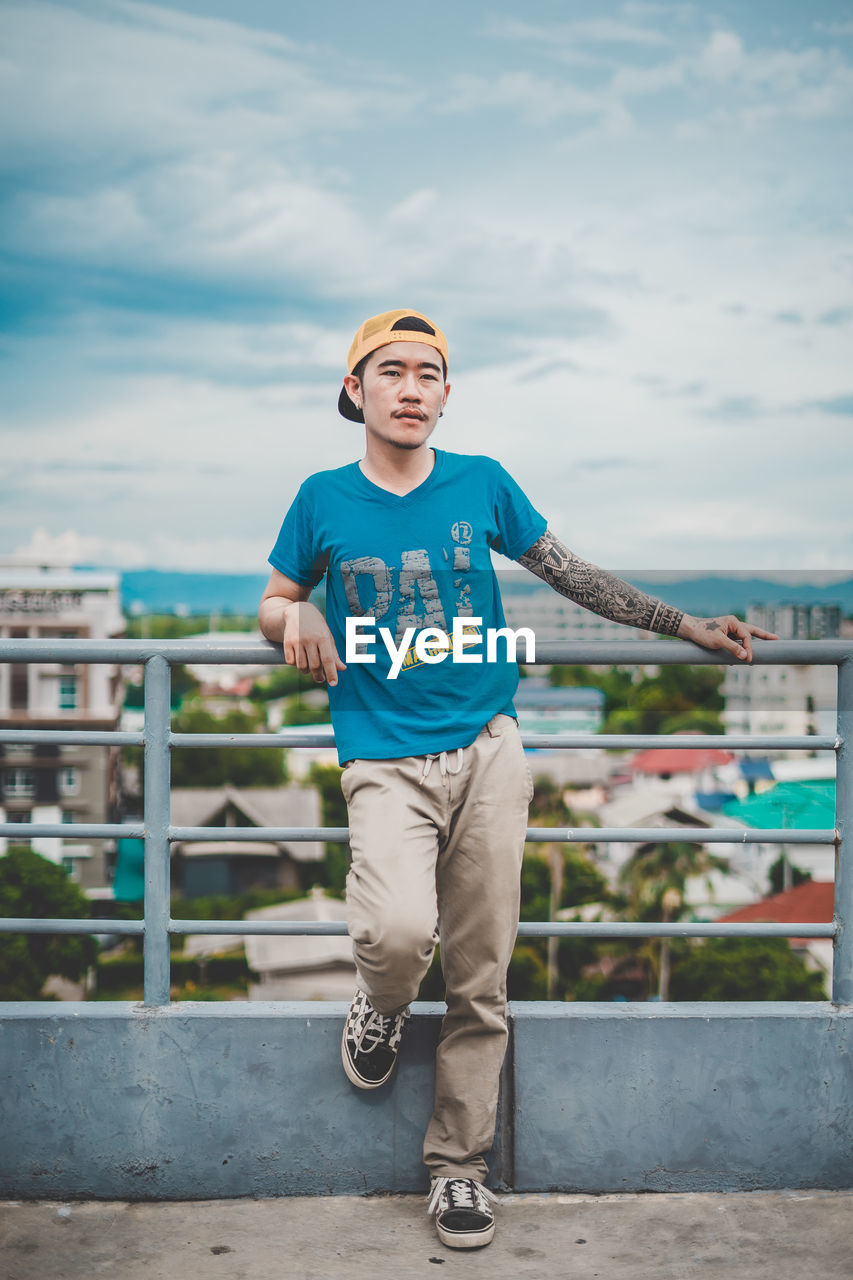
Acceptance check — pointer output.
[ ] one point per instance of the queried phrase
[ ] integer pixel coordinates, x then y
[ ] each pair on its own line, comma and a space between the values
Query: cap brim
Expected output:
347, 408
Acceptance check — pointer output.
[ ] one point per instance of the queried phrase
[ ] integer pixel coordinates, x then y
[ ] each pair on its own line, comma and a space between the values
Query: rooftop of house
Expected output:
286, 806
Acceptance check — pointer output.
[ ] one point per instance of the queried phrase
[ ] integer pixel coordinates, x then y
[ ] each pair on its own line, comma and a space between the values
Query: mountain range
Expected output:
163, 591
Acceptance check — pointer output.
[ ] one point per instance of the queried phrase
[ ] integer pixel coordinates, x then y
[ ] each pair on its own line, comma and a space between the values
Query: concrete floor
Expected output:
753, 1236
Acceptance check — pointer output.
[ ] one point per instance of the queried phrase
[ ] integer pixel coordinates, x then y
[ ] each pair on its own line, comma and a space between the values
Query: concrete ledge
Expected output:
204, 1101
683, 1097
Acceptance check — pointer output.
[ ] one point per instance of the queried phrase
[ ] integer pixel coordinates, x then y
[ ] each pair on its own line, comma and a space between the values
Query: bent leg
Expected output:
391, 896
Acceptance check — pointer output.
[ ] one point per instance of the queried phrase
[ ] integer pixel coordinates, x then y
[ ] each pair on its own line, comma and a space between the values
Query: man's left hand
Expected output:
727, 632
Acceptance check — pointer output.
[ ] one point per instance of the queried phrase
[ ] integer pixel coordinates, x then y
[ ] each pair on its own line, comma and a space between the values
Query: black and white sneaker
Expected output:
370, 1042
464, 1218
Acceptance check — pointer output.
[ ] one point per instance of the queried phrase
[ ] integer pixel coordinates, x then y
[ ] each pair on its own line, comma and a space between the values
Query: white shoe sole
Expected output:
352, 1074
467, 1240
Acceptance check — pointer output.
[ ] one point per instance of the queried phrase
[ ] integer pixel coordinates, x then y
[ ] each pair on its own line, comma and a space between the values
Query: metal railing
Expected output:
157, 740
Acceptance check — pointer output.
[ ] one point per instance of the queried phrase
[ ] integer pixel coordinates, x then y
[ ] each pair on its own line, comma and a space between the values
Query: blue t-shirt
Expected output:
415, 561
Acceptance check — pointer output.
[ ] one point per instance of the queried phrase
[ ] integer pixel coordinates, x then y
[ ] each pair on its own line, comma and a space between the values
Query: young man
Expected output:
434, 777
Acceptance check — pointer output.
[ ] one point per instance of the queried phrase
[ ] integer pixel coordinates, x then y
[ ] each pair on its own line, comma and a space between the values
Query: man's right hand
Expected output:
286, 618
308, 643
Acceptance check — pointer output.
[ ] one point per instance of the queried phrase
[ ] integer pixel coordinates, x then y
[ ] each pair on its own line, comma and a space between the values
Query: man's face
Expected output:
402, 393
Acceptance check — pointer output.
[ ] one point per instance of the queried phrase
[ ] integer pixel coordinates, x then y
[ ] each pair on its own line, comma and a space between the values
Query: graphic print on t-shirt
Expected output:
416, 584
370, 586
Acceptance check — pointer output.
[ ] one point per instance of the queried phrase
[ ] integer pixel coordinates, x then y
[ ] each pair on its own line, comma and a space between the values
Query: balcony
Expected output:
155, 1101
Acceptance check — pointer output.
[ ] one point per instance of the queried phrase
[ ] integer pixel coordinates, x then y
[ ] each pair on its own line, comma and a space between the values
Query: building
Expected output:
808, 903
553, 617
295, 967
201, 867
546, 708
60, 784
788, 700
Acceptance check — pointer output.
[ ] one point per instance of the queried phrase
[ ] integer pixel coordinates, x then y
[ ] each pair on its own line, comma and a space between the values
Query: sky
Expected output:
632, 220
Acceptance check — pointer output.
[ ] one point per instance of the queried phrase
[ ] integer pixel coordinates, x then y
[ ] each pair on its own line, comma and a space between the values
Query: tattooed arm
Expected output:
611, 597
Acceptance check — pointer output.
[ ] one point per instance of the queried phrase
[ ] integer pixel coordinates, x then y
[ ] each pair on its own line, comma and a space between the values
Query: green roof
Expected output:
795, 805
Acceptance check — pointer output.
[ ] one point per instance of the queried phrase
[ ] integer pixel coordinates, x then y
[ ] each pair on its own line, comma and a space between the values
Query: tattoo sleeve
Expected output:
596, 589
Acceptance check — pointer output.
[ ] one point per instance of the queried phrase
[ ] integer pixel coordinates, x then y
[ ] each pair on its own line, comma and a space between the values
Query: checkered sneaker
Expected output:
464, 1218
370, 1042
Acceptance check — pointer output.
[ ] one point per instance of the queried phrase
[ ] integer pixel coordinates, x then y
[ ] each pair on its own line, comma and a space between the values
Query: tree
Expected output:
742, 969
669, 701
299, 711
33, 887
181, 685
553, 877
776, 875
216, 766
281, 682
327, 779
654, 879
676, 700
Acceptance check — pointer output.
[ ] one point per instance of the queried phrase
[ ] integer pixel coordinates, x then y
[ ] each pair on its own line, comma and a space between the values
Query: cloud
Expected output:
836, 316
609, 464
134, 81
842, 405
585, 31
228, 553
721, 58
733, 408
844, 28
202, 213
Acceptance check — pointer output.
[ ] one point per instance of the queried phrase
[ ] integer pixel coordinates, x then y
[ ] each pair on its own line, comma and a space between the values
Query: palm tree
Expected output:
654, 880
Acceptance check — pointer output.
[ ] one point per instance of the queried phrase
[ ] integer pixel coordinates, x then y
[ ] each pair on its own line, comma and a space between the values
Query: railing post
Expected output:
156, 815
842, 960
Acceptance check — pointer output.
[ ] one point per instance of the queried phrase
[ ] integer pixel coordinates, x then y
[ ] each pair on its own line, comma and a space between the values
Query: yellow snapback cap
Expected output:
379, 331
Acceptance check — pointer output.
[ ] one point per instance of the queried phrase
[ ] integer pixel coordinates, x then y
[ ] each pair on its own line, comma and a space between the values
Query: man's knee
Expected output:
395, 938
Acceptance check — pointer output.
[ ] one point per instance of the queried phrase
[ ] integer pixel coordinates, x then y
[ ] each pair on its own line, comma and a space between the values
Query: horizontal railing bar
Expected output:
75, 830
682, 653
284, 928
536, 835
130, 927
74, 737
599, 652
136, 652
672, 929
250, 835
690, 741
535, 741
248, 740
337, 928
691, 835
528, 929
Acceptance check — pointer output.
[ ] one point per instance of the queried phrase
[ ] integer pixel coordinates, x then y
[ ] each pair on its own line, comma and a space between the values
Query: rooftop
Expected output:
752, 1235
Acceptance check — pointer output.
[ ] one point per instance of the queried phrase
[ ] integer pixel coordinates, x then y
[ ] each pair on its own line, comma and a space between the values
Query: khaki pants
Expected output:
433, 846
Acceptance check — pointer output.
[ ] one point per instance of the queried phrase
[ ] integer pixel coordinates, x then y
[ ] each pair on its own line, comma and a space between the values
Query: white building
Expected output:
784, 699
554, 618
291, 967
64, 784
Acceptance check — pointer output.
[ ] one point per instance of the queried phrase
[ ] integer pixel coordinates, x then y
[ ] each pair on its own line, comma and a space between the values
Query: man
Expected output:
435, 779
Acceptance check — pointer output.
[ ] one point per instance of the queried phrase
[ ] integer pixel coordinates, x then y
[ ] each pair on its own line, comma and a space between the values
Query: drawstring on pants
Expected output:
441, 757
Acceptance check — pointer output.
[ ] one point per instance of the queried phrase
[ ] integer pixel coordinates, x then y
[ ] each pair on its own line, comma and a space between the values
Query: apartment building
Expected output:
790, 699
60, 784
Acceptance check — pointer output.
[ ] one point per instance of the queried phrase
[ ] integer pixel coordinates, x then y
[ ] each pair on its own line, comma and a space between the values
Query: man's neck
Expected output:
398, 470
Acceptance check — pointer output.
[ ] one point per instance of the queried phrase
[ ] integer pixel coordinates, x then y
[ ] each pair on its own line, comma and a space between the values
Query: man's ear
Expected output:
353, 389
